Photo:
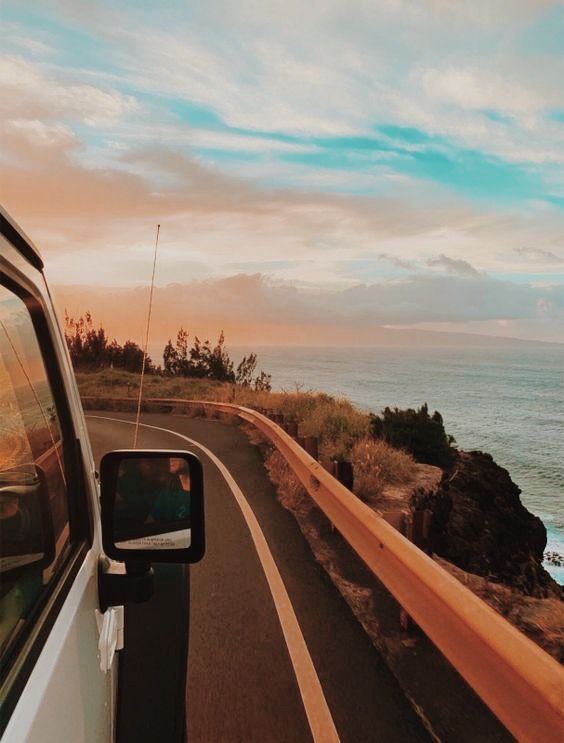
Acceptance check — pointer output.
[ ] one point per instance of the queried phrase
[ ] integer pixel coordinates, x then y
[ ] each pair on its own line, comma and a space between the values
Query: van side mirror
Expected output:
152, 506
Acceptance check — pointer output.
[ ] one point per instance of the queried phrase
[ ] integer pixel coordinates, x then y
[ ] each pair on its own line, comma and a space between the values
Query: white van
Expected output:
64, 578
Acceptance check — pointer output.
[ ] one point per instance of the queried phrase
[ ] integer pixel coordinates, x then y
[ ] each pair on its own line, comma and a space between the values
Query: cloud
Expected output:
470, 89
335, 69
359, 70
78, 213
453, 265
16, 36
438, 299
545, 256
252, 306
42, 134
28, 91
237, 143
395, 261
45, 183
313, 142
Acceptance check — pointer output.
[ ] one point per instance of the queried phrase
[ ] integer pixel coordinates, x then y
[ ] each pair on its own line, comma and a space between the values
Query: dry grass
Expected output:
289, 489
341, 429
336, 423
542, 620
117, 383
376, 465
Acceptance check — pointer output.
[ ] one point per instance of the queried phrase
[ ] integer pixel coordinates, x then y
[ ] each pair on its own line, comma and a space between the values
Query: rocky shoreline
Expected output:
477, 529
481, 533
480, 525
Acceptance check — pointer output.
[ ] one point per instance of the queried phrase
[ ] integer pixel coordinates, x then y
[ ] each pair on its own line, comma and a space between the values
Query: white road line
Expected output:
316, 708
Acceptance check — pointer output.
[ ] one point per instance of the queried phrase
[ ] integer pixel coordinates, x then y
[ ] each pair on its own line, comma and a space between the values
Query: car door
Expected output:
52, 687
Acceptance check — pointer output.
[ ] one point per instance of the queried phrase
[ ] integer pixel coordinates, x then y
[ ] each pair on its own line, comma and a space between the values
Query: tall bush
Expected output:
417, 432
376, 464
89, 347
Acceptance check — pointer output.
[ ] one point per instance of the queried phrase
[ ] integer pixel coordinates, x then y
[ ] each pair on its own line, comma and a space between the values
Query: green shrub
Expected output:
417, 432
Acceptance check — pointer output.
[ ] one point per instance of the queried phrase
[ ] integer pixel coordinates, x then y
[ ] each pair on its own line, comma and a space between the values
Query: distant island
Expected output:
173, 303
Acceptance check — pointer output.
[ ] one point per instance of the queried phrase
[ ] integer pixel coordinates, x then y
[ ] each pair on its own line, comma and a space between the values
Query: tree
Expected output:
114, 354
73, 337
417, 432
245, 370
132, 358
263, 382
89, 347
182, 362
199, 358
203, 361
95, 346
220, 366
170, 359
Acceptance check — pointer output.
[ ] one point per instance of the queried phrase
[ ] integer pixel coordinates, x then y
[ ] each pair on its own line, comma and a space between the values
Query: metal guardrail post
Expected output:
415, 527
292, 429
418, 529
311, 445
401, 521
341, 471
345, 474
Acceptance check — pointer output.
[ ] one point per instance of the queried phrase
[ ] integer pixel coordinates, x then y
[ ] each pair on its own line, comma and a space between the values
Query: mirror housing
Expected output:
152, 506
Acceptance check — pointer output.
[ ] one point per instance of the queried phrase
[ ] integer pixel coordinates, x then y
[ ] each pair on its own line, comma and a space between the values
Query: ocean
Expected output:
508, 401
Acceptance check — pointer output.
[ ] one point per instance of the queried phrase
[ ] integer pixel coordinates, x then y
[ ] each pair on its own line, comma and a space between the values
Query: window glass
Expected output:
34, 514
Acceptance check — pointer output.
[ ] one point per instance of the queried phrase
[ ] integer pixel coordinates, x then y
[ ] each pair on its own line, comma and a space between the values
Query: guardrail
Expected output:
519, 682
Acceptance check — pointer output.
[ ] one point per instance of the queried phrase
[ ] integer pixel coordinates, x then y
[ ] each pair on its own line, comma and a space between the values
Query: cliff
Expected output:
480, 525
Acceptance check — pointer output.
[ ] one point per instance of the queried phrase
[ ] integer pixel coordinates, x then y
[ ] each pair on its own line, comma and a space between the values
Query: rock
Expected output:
480, 525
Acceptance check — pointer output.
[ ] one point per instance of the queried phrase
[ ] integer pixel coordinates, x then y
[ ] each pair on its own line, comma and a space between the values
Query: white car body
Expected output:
69, 693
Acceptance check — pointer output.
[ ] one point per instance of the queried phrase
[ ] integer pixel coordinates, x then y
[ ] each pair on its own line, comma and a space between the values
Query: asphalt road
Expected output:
241, 681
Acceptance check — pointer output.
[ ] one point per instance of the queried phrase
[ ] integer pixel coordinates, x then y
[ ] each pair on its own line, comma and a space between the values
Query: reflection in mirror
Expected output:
24, 527
152, 506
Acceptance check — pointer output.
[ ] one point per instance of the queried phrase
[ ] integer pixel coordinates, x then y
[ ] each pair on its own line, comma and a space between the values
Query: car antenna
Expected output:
146, 342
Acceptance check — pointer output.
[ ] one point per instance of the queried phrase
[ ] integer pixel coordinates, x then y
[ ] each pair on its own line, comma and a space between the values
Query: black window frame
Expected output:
21, 658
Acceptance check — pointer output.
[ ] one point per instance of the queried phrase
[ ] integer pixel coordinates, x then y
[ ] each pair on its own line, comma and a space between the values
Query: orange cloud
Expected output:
252, 309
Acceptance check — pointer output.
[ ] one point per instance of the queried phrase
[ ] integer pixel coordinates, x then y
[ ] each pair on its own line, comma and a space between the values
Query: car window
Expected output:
34, 509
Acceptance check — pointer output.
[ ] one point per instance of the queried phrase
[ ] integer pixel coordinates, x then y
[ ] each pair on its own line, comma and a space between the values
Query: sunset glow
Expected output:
321, 173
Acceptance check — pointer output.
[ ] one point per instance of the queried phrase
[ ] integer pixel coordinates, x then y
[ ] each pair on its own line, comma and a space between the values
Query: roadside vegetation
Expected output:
383, 449
91, 351
385, 452
344, 433
417, 432
377, 465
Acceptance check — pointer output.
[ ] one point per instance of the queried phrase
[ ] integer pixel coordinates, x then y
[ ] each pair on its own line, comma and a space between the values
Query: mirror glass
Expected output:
152, 505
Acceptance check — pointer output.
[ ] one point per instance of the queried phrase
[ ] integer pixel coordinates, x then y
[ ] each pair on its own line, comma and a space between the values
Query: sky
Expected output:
319, 170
